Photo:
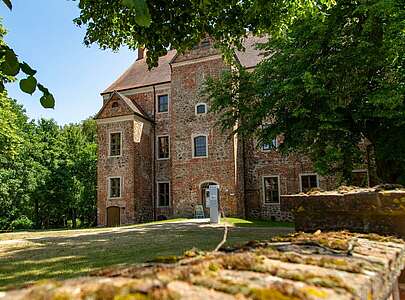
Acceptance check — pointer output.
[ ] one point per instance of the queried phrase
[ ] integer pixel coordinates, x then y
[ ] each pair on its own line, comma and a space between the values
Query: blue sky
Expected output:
42, 33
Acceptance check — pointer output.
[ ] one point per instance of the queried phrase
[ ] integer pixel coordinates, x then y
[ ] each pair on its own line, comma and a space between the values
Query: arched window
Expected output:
200, 109
200, 146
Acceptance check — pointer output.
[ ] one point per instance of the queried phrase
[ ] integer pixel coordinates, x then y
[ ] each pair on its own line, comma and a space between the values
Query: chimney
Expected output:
141, 53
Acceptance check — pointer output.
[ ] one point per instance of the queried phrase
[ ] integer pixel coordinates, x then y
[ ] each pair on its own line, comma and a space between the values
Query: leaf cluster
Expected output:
333, 86
181, 24
11, 66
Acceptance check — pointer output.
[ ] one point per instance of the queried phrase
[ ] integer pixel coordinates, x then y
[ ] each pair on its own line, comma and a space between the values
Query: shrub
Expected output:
23, 222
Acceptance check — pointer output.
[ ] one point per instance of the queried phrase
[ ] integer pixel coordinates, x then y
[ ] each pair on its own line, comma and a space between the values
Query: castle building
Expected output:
160, 147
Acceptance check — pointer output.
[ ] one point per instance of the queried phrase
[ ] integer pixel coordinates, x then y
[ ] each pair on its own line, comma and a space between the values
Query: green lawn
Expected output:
30, 256
256, 223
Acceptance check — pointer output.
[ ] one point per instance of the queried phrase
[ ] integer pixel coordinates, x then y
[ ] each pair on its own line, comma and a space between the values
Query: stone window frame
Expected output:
205, 107
157, 147
157, 193
264, 189
109, 187
157, 102
193, 136
109, 142
309, 174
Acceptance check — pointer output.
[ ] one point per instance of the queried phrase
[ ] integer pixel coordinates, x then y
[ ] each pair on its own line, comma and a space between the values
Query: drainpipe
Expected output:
244, 176
154, 156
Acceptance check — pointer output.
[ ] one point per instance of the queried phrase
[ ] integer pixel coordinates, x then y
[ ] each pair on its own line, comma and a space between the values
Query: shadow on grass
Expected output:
59, 257
258, 223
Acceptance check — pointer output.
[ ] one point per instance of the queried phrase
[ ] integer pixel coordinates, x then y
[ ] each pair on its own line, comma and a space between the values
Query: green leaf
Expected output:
142, 15
43, 89
10, 66
28, 85
47, 101
8, 3
27, 69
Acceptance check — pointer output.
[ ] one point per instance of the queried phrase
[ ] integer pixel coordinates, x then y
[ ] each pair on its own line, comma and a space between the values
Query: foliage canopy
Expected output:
181, 24
333, 87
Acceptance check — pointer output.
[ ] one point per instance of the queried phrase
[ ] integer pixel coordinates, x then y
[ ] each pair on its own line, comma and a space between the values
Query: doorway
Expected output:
205, 194
113, 216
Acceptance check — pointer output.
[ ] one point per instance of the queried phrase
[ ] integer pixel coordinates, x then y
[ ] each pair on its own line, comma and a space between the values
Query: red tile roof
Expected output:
251, 56
138, 75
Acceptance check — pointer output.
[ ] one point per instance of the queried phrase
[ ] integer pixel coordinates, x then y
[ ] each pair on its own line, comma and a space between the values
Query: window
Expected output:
163, 103
115, 187
163, 194
308, 181
163, 147
200, 146
205, 43
268, 147
360, 178
200, 109
115, 144
115, 104
271, 189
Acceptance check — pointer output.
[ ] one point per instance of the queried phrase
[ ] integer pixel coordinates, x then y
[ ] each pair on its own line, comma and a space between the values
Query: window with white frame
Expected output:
115, 143
163, 191
200, 109
308, 181
163, 147
200, 146
114, 187
271, 189
163, 103
268, 147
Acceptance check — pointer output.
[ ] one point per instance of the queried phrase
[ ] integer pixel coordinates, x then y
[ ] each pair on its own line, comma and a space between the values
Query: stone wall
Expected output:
359, 210
188, 172
261, 163
134, 166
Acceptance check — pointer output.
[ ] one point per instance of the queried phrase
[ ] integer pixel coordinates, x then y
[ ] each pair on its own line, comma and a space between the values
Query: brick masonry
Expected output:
237, 165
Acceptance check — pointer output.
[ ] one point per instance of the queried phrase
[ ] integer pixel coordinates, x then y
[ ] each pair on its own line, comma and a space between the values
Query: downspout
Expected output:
154, 155
244, 176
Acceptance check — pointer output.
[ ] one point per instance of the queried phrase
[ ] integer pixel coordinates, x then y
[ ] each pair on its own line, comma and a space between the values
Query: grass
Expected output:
26, 257
256, 223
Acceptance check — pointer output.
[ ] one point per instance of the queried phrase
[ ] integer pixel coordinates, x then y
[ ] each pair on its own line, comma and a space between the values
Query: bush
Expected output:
22, 222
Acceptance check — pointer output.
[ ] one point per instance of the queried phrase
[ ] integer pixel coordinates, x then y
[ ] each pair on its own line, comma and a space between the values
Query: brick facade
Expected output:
236, 165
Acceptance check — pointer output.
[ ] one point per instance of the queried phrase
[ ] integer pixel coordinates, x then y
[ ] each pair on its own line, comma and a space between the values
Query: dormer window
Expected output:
200, 109
205, 43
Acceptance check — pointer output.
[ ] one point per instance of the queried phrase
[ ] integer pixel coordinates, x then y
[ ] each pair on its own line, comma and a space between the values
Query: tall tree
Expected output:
333, 86
181, 24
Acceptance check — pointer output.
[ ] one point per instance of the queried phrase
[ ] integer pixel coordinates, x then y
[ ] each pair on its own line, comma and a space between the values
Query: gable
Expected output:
203, 50
138, 75
120, 105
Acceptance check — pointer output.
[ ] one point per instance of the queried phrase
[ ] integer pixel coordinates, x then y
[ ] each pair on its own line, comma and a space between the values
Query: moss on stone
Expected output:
270, 294
170, 259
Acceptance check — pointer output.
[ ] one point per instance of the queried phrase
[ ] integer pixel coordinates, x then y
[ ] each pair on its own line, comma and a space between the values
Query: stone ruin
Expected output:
379, 210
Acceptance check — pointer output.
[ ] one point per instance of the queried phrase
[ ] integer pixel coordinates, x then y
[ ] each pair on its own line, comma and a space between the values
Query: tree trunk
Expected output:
37, 223
74, 218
